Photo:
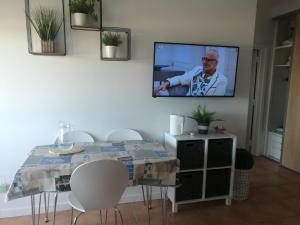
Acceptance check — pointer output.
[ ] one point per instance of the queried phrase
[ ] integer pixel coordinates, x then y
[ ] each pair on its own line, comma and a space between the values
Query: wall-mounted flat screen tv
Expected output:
194, 70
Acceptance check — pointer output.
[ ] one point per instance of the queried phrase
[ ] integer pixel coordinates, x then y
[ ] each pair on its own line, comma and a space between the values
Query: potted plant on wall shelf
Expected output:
81, 10
203, 118
111, 41
47, 24
243, 164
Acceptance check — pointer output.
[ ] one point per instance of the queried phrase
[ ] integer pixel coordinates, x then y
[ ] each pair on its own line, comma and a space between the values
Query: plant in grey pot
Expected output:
81, 10
203, 118
46, 23
111, 41
243, 164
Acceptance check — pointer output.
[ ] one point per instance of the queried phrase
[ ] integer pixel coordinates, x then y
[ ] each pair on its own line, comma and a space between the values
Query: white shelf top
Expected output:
210, 135
276, 133
283, 46
282, 65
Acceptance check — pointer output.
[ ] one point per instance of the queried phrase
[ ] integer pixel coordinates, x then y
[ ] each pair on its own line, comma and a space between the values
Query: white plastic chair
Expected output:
76, 136
123, 134
94, 186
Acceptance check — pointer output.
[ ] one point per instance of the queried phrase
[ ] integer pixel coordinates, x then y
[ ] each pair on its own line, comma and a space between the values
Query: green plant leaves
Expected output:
45, 22
111, 38
202, 116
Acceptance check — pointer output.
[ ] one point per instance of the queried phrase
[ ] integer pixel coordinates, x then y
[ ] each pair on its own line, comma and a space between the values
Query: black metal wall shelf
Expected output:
85, 21
123, 51
36, 46
57, 47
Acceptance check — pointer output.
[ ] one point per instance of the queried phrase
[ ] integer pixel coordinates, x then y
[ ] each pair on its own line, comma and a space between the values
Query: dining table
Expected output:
48, 168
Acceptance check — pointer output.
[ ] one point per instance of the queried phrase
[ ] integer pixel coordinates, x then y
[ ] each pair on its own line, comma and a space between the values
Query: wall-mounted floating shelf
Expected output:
282, 65
283, 46
115, 42
122, 52
86, 15
40, 42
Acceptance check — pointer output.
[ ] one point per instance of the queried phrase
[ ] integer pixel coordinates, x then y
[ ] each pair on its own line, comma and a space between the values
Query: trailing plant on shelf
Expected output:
47, 24
111, 41
203, 118
81, 9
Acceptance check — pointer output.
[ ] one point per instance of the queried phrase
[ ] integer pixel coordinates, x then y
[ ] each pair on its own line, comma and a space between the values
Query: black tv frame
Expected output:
209, 96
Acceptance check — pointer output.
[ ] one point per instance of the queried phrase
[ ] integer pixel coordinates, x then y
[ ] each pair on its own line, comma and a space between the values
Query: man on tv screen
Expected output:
202, 80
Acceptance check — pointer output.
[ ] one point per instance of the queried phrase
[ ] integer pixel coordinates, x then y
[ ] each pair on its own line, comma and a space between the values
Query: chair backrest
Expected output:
123, 134
99, 184
77, 136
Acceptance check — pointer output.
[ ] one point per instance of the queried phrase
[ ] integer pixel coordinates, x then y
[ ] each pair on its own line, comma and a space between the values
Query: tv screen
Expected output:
194, 70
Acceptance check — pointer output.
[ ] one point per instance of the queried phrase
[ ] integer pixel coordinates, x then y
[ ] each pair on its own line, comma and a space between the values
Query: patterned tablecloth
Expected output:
45, 171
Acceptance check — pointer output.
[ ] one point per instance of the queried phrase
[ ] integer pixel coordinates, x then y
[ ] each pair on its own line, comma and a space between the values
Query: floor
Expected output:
274, 200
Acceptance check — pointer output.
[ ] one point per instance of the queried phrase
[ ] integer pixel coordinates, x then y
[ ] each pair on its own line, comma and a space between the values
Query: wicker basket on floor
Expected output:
243, 164
241, 185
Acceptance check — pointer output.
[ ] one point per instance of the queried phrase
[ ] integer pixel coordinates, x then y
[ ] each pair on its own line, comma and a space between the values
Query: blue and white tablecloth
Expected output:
45, 171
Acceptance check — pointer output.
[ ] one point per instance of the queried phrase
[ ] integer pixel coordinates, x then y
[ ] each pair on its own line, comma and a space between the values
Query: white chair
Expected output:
76, 136
123, 134
94, 186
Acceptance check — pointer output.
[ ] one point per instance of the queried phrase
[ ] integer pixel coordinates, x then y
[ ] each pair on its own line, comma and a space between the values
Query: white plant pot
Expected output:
110, 51
79, 19
203, 128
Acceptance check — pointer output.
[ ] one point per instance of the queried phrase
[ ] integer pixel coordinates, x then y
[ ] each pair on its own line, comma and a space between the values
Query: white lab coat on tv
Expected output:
215, 87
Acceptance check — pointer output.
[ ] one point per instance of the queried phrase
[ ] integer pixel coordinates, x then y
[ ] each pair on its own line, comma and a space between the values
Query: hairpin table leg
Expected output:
32, 198
55, 204
164, 198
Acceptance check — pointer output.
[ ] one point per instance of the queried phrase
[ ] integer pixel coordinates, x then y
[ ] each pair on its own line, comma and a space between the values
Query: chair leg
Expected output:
100, 215
72, 211
150, 197
106, 211
147, 203
101, 220
143, 191
121, 217
116, 216
76, 218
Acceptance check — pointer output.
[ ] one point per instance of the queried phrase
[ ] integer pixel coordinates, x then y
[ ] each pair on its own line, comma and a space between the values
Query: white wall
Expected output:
282, 7
266, 10
36, 92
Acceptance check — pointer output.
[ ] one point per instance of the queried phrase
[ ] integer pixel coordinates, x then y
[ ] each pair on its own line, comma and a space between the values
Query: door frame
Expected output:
258, 102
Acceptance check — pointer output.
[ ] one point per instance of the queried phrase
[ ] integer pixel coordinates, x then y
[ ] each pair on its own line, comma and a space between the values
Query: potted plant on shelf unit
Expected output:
47, 24
81, 10
203, 118
111, 41
243, 164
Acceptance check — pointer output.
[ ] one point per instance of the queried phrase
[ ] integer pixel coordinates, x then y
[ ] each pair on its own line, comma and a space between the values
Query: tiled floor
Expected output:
274, 200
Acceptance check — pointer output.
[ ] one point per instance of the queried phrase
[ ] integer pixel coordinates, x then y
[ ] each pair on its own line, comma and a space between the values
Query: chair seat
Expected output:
72, 200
